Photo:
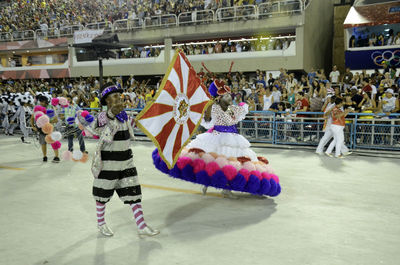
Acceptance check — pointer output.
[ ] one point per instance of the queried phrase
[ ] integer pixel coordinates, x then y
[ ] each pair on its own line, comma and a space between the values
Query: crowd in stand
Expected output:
210, 48
369, 93
21, 15
375, 40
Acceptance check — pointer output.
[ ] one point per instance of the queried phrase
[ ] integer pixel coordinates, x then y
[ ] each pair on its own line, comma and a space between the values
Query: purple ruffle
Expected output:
218, 180
225, 129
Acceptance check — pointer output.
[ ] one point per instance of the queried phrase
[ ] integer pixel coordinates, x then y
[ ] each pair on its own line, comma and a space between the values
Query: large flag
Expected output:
176, 112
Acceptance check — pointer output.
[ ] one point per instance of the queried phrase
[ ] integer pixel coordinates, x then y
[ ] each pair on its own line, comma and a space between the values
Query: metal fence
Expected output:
245, 12
362, 131
196, 17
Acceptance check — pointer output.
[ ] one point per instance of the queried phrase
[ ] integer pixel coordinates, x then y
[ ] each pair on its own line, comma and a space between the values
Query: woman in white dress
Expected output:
221, 157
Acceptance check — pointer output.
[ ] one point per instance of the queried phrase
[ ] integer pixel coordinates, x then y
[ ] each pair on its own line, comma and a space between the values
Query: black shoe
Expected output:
56, 160
22, 139
45, 159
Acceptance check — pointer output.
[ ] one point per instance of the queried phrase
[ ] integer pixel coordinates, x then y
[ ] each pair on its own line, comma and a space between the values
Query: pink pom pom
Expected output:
56, 145
84, 113
83, 133
221, 161
198, 165
249, 166
211, 168
266, 175
37, 108
96, 137
270, 169
260, 168
236, 164
241, 104
208, 158
63, 101
229, 171
245, 173
66, 155
275, 177
183, 161
257, 174
42, 120
55, 101
193, 156
47, 128
38, 114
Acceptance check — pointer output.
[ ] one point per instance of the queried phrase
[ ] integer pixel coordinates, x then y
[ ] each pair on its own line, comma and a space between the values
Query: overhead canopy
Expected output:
372, 15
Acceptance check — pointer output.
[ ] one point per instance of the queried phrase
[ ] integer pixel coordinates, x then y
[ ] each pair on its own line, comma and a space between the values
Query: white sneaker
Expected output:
340, 156
319, 153
347, 153
328, 154
148, 231
229, 194
105, 230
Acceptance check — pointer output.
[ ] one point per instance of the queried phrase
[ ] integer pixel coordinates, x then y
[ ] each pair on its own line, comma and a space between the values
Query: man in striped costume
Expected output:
113, 166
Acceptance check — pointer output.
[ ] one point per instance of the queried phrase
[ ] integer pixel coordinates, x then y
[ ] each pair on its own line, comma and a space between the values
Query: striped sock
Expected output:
138, 214
101, 209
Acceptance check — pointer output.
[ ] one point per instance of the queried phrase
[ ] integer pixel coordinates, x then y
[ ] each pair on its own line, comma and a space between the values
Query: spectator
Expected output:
218, 47
268, 99
276, 94
301, 104
389, 104
334, 75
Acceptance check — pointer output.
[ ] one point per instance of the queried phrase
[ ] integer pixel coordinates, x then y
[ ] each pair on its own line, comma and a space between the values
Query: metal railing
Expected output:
281, 128
50, 33
23, 35
196, 17
127, 24
68, 31
5, 36
362, 131
284, 7
236, 12
106, 25
161, 21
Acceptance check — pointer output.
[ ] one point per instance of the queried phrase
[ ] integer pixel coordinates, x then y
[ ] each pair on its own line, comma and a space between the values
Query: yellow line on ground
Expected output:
12, 168
180, 190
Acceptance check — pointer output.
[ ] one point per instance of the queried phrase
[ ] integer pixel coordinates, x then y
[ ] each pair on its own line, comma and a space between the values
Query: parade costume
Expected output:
221, 157
328, 135
113, 166
22, 114
8, 111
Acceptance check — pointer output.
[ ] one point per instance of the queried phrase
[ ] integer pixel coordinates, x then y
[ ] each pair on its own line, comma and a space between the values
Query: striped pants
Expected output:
124, 182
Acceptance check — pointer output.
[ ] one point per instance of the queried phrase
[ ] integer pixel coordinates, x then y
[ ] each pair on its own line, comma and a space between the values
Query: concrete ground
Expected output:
330, 211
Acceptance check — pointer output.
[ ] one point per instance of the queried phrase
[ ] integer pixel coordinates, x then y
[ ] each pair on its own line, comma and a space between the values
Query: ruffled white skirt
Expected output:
227, 144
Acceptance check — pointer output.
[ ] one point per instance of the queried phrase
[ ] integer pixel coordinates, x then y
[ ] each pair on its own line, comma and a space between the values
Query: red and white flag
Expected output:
176, 112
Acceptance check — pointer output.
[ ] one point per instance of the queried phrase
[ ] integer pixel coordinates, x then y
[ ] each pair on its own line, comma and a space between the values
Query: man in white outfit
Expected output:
328, 135
337, 130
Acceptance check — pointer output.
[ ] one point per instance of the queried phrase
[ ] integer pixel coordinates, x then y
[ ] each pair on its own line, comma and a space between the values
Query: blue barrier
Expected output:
380, 132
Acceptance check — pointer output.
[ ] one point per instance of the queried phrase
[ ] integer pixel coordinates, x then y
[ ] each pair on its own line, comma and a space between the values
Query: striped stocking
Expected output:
138, 214
101, 209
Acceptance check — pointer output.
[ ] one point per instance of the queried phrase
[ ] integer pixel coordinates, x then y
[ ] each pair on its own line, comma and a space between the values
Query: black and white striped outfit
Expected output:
118, 171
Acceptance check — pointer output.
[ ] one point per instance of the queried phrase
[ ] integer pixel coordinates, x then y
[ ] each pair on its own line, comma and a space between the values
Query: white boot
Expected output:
105, 230
148, 231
